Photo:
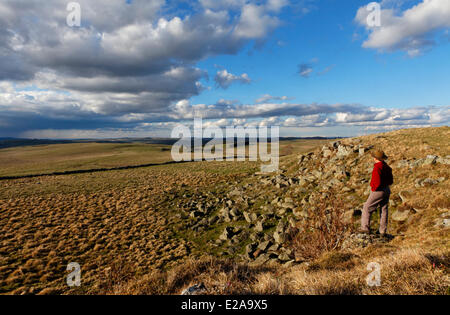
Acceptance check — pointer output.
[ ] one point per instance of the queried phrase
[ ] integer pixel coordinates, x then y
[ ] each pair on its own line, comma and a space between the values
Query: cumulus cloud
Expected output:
225, 79
127, 58
412, 30
255, 21
267, 97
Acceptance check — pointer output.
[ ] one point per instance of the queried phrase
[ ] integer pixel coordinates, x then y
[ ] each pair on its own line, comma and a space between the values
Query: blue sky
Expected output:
138, 68
358, 75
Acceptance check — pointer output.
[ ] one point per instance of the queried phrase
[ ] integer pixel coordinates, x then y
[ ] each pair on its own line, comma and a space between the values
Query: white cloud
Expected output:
225, 79
411, 30
267, 97
125, 58
255, 22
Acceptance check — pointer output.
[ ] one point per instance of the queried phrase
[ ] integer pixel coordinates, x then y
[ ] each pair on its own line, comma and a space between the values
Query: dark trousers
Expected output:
375, 200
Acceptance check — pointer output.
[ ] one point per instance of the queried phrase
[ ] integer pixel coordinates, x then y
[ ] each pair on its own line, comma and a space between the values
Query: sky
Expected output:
138, 68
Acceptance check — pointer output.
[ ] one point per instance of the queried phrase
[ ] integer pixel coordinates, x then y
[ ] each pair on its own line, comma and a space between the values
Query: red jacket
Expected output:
381, 176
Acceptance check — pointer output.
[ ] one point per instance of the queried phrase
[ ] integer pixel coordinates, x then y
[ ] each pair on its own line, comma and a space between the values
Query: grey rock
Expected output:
289, 264
428, 182
250, 217
259, 227
226, 234
288, 205
213, 220
417, 163
430, 160
274, 248
401, 216
279, 237
344, 151
263, 246
402, 164
327, 153
194, 290
301, 213
442, 160
261, 260
363, 240
284, 257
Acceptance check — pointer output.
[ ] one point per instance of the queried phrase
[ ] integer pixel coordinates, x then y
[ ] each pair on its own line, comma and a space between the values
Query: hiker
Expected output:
379, 196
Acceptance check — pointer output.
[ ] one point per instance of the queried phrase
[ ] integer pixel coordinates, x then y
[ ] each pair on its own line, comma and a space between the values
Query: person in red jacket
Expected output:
379, 196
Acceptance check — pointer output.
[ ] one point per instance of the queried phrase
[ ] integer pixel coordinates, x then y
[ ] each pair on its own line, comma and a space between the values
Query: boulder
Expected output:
430, 160
263, 246
284, 257
327, 153
344, 151
279, 237
226, 234
442, 223
417, 163
442, 160
261, 260
259, 227
250, 217
401, 216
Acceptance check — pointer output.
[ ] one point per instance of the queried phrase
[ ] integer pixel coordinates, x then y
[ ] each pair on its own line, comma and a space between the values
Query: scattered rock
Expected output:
261, 260
344, 151
226, 234
263, 246
259, 227
194, 290
359, 240
250, 217
442, 223
442, 160
430, 160
401, 216
428, 182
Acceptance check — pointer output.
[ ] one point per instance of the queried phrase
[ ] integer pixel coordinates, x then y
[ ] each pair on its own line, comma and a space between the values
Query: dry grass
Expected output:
96, 219
219, 276
324, 230
408, 271
124, 228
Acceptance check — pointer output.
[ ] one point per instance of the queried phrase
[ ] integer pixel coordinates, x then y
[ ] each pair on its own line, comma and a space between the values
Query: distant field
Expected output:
43, 159
78, 156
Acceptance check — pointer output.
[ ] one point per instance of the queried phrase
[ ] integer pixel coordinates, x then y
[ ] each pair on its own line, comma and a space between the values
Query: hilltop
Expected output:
160, 229
294, 233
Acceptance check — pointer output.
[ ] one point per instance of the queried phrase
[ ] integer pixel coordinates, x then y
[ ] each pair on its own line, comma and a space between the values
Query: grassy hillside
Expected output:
159, 229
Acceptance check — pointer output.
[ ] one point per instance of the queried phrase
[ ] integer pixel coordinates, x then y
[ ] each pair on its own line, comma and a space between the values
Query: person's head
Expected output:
379, 156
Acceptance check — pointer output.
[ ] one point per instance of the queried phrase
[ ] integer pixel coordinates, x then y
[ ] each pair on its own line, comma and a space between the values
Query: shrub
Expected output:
324, 230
